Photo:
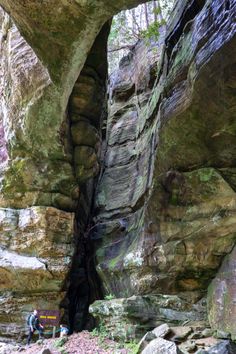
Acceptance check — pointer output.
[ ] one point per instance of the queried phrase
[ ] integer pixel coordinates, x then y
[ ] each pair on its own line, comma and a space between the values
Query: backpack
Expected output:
28, 319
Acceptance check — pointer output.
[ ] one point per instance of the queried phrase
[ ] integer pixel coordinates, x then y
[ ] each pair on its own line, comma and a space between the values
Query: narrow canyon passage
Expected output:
86, 113
118, 204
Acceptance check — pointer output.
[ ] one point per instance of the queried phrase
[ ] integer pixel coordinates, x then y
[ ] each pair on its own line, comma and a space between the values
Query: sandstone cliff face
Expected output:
166, 198
164, 171
45, 156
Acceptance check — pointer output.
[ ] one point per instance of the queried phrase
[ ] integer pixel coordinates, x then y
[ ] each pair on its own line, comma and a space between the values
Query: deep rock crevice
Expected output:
150, 185
85, 114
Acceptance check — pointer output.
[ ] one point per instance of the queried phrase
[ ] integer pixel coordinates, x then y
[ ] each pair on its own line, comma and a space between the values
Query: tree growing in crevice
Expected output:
142, 22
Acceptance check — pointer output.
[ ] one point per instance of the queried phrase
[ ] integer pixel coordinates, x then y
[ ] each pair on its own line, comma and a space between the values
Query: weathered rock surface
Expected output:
165, 205
158, 332
161, 346
45, 153
36, 251
166, 201
147, 338
161, 331
224, 347
132, 317
221, 298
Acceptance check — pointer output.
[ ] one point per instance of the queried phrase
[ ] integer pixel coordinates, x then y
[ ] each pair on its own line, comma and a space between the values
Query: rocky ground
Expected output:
79, 343
162, 340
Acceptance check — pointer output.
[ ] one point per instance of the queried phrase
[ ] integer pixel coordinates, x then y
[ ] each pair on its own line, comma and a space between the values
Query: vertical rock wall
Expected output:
47, 167
36, 237
166, 199
46, 201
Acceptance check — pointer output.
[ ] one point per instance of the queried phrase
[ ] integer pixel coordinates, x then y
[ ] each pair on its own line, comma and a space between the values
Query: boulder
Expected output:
45, 351
221, 299
127, 318
161, 346
147, 338
224, 347
161, 331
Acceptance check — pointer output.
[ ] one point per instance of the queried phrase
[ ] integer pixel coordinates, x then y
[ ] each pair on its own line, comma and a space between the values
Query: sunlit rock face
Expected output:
46, 150
166, 199
35, 253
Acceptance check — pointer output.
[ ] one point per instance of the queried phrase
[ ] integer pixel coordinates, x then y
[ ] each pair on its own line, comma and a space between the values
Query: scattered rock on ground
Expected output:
207, 332
161, 346
45, 351
180, 333
188, 346
161, 331
196, 335
147, 338
224, 347
206, 342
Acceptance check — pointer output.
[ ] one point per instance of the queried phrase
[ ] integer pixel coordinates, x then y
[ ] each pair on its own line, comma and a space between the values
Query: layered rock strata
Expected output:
35, 253
165, 204
165, 200
130, 318
45, 156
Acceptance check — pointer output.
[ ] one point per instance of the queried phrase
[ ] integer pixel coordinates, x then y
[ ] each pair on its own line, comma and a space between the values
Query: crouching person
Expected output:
63, 331
34, 325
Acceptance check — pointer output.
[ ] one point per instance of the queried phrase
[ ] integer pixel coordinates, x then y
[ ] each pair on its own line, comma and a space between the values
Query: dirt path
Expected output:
79, 343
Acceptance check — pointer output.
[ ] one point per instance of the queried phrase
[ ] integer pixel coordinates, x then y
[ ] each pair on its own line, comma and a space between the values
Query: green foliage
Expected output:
63, 351
59, 344
100, 331
142, 22
109, 297
132, 347
153, 30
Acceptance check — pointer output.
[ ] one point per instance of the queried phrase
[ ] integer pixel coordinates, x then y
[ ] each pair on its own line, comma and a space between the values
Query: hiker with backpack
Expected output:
34, 325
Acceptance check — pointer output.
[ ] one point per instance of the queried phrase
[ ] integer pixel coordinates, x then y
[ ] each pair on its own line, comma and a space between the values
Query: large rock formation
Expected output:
165, 199
36, 249
45, 156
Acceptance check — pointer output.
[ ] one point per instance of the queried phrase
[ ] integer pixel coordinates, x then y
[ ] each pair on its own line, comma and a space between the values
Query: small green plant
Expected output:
59, 344
153, 30
132, 347
100, 331
109, 297
63, 351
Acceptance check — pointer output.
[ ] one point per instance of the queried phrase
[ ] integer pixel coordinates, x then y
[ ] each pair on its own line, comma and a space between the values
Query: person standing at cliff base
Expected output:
34, 325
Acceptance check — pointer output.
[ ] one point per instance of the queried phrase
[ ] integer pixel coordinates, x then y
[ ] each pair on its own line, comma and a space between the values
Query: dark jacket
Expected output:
34, 321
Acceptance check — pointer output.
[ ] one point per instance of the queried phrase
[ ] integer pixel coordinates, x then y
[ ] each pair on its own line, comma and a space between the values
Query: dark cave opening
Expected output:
86, 113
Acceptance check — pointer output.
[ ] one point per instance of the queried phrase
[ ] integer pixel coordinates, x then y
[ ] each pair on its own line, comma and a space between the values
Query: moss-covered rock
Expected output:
129, 318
